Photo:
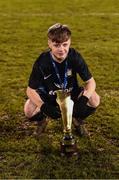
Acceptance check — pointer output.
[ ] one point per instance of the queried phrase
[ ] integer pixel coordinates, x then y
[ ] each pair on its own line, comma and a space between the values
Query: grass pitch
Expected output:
95, 33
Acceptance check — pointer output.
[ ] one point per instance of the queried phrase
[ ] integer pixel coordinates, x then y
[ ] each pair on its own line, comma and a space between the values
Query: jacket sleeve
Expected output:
36, 77
81, 67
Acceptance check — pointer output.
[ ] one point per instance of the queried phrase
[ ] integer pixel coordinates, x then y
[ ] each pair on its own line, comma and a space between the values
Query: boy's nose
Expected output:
61, 48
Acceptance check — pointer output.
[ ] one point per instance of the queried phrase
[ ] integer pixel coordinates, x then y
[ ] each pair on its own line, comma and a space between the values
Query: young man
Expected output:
55, 69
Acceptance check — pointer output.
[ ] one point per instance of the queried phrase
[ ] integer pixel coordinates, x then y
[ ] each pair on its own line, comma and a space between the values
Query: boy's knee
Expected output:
97, 100
94, 101
27, 111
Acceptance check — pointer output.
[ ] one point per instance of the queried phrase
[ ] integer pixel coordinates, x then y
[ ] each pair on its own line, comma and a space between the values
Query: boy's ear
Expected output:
49, 42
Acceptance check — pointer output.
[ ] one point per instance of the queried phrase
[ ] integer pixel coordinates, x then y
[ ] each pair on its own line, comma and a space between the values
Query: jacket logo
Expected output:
46, 77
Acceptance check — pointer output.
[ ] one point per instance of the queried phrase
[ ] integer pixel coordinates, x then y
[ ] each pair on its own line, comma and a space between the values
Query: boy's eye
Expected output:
64, 45
58, 45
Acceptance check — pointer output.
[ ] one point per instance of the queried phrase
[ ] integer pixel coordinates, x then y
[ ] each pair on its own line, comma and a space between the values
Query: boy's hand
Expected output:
51, 111
80, 106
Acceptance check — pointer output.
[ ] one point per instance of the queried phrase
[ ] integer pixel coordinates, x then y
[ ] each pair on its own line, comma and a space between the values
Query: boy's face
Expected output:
59, 50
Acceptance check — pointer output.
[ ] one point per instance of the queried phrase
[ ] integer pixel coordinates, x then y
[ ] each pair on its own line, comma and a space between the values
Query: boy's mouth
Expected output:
61, 54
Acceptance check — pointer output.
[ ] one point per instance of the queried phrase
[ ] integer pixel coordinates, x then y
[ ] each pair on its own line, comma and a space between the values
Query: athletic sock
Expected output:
37, 117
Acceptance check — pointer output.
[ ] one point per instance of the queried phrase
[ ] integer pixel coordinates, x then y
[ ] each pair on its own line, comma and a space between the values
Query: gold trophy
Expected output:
68, 143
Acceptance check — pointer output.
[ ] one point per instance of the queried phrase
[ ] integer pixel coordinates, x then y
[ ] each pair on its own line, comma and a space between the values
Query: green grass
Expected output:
95, 33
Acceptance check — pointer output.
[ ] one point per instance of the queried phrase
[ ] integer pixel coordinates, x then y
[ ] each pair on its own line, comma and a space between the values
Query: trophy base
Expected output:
69, 147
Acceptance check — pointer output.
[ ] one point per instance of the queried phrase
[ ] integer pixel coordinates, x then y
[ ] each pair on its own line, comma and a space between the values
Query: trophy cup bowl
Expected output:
68, 143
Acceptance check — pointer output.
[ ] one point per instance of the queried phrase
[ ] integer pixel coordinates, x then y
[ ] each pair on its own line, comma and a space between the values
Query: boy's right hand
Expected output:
51, 111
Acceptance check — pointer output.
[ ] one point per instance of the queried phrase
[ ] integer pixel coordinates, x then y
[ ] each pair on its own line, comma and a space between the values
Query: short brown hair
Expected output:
59, 33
